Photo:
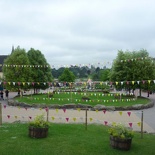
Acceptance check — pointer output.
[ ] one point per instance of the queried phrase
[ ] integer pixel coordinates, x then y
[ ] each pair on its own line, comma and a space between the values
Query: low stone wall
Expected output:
98, 107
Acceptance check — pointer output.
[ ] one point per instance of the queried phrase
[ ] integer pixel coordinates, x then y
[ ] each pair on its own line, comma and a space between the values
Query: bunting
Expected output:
120, 112
67, 119
129, 113
97, 64
105, 123
80, 100
24, 83
139, 124
53, 118
104, 111
130, 124
137, 59
73, 119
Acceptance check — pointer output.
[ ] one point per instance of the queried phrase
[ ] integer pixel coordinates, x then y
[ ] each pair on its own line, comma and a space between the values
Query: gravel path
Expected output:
129, 118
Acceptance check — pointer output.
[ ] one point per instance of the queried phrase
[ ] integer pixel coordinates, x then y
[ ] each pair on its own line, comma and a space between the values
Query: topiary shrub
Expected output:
50, 94
106, 91
84, 98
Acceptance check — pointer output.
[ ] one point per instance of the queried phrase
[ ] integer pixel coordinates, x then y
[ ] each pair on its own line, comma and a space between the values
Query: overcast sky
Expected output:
77, 31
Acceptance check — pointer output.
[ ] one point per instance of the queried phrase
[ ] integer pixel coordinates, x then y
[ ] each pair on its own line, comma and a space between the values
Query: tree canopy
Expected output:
132, 66
42, 74
15, 69
19, 71
67, 76
104, 74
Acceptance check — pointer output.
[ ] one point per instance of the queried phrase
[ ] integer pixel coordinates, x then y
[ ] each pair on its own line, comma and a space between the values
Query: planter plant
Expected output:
120, 137
38, 128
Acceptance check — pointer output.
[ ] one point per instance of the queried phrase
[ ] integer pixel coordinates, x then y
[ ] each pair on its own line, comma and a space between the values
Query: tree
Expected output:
136, 66
95, 77
104, 75
67, 76
42, 74
15, 69
57, 72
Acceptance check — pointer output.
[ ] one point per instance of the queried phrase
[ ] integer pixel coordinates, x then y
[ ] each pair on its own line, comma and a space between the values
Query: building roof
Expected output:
2, 57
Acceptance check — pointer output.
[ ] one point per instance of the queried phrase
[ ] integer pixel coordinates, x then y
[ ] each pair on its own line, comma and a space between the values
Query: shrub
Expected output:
50, 94
39, 122
121, 131
85, 98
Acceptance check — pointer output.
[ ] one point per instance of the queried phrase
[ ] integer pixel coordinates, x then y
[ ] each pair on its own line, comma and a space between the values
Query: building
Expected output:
2, 58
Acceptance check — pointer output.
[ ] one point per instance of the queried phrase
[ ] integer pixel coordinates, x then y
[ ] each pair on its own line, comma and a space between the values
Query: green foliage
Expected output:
57, 72
95, 98
67, 76
16, 69
50, 94
79, 72
85, 98
40, 74
120, 131
104, 75
132, 70
102, 86
95, 77
39, 122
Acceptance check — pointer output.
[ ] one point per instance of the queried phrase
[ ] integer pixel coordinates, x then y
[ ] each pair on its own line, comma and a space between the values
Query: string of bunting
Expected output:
58, 66
79, 100
23, 66
72, 119
138, 59
93, 94
78, 83
104, 63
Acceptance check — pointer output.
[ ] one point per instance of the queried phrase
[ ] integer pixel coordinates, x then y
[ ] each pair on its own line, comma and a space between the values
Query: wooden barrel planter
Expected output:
122, 144
38, 132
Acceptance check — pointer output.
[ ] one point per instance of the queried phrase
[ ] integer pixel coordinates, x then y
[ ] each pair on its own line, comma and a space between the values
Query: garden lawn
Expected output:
68, 139
75, 97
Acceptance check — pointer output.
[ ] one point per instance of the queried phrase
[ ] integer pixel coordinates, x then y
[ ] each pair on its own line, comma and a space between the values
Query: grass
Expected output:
68, 139
74, 97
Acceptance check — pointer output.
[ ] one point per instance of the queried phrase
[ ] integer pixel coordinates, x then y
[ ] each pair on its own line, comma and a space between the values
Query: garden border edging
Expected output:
98, 107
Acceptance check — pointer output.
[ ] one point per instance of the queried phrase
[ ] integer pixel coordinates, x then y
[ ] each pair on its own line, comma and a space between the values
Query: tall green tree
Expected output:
57, 72
133, 66
104, 74
42, 74
67, 76
15, 69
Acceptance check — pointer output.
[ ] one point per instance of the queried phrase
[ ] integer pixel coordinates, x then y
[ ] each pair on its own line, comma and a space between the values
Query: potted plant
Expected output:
120, 136
38, 128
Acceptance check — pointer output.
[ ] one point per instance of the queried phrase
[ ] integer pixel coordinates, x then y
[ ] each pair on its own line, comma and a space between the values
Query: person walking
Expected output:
2, 95
6, 94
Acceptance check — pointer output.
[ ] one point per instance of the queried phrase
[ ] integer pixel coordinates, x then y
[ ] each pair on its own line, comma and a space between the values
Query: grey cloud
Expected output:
77, 31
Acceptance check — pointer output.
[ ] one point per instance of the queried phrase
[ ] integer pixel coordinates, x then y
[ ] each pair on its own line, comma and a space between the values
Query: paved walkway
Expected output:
129, 118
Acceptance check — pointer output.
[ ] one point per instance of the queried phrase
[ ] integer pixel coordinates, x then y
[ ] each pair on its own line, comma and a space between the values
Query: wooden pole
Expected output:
0, 114
86, 119
47, 110
142, 125
31, 94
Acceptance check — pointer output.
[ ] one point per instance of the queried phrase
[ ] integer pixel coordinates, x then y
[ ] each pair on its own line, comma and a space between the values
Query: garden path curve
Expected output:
129, 118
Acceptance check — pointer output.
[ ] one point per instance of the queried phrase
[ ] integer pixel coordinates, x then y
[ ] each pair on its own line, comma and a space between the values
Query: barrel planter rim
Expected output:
36, 132
120, 143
